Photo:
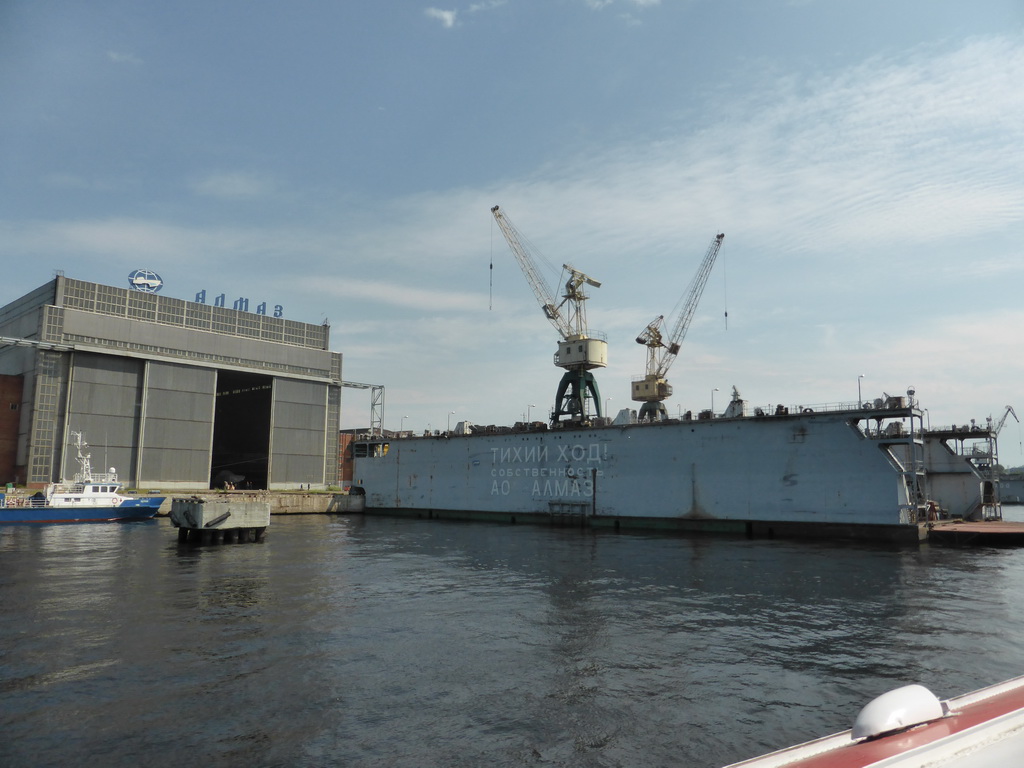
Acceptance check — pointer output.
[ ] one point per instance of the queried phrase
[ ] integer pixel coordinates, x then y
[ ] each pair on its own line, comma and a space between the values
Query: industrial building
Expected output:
173, 394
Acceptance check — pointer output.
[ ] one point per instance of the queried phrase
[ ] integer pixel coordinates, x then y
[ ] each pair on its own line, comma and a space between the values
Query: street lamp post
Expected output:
450, 414
860, 402
401, 424
528, 407
606, 406
713, 402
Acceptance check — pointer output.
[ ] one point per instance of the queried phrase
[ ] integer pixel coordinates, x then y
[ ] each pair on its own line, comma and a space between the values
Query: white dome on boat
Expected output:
897, 709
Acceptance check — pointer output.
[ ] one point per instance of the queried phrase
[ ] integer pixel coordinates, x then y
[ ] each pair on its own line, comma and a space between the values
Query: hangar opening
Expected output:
241, 430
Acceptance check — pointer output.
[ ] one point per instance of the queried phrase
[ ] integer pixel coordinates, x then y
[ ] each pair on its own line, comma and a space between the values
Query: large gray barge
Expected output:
864, 470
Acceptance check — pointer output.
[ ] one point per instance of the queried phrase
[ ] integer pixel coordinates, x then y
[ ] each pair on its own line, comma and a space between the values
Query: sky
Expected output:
864, 158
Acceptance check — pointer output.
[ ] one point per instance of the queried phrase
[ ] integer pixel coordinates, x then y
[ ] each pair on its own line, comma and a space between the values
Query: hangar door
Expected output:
104, 403
177, 425
299, 433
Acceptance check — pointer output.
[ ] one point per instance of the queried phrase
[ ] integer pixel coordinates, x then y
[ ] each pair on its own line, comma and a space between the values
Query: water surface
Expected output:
388, 642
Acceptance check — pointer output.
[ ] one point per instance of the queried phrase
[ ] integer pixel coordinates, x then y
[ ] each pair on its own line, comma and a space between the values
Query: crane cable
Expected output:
725, 290
490, 297
1020, 444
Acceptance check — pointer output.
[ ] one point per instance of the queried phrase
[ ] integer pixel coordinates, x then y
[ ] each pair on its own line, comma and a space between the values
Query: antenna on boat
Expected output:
84, 465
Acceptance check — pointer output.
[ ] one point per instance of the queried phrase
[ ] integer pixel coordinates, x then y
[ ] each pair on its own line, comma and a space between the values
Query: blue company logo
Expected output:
144, 280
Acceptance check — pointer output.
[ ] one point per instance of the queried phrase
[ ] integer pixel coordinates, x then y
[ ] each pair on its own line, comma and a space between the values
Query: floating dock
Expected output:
220, 521
987, 533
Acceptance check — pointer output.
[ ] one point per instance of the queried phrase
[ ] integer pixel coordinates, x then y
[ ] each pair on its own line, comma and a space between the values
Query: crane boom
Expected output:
541, 289
693, 295
653, 388
1009, 410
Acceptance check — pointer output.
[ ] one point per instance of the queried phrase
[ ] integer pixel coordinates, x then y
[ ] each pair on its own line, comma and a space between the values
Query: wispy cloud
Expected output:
447, 18
118, 57
71, 181
913, 150
233, 185
129, 239
599, 4
486, 6
910, 150
396, 293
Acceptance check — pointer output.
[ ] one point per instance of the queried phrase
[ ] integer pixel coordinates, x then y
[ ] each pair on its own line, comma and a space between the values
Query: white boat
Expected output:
91, 497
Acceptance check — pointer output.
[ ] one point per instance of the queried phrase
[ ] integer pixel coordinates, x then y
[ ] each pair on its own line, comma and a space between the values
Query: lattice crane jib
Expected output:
999, 426
653, 388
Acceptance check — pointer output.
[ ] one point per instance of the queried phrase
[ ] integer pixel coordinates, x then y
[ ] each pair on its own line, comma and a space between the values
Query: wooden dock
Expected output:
988, 533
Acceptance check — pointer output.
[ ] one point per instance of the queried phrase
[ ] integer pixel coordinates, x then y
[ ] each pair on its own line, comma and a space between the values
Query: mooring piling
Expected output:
219, 521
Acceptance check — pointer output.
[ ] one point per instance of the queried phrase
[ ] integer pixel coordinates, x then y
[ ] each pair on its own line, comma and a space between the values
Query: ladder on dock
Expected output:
569, 512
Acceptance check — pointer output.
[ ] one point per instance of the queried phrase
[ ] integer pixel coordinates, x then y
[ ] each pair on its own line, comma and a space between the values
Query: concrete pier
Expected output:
220, 520
284, 502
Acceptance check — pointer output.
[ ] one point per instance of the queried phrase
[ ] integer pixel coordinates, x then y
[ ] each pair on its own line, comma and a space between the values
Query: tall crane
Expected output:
998, 427
653, 388
579, 350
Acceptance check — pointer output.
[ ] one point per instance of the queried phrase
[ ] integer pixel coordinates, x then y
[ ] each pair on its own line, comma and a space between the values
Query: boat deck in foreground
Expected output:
984, 729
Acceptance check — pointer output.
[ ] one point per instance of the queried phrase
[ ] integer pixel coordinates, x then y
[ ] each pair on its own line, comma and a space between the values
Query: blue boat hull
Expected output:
133, 509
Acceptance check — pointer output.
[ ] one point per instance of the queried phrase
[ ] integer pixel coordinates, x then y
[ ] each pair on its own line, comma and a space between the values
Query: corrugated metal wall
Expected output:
298, 448
177, 424
104, 404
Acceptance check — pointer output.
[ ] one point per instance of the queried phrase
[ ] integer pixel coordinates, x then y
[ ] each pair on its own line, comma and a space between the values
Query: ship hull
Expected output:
134, 509
800, 474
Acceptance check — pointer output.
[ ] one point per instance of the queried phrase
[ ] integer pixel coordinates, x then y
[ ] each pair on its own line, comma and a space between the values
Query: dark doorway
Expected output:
241, 430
